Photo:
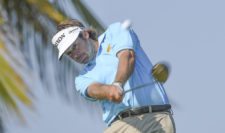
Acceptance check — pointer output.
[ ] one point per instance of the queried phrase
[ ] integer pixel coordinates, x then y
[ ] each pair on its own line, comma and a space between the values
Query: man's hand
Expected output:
100, 91
114, 93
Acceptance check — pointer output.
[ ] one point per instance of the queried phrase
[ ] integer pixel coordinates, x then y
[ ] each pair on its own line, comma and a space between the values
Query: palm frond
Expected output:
31, 12
12, 86
44, 7
13, 82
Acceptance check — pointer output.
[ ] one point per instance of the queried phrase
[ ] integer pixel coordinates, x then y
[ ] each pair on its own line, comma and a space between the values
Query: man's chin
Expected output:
86, 61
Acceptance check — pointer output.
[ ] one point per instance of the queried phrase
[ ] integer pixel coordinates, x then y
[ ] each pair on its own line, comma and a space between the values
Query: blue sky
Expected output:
190, 35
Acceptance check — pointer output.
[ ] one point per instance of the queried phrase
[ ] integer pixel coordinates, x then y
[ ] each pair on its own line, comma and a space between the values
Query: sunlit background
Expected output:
37, 92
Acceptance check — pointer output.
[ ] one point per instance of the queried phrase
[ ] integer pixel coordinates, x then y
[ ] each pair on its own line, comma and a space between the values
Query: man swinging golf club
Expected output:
114, 64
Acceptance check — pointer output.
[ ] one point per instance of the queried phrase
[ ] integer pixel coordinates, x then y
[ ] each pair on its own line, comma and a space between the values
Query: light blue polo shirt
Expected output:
104, 67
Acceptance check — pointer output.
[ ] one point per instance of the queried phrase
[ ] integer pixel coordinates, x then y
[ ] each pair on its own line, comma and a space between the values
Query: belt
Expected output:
142, 110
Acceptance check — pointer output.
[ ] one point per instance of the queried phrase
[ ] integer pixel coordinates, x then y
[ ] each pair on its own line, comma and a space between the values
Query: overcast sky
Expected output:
190, 35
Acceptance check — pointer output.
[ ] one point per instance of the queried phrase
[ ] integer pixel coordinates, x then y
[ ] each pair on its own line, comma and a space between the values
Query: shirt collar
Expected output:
101, 39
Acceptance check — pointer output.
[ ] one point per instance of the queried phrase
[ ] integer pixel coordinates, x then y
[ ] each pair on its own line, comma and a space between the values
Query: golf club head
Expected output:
161, 71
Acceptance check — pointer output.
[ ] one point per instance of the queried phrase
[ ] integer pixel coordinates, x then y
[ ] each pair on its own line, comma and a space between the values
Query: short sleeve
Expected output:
121, 38
82, 83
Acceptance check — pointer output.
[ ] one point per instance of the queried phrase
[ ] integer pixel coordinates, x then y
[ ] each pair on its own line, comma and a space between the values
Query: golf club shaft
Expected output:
139, 87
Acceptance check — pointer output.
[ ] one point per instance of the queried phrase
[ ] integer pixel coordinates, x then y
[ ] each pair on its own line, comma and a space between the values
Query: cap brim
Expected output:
65, 38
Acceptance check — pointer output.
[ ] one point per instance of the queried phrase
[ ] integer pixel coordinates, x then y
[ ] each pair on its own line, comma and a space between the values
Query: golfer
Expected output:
115, 62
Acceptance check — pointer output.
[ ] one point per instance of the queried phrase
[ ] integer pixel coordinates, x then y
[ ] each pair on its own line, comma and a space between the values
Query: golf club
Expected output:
160, 72
138, 87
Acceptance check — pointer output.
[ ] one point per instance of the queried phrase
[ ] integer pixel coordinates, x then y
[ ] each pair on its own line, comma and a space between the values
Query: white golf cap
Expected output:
65, 38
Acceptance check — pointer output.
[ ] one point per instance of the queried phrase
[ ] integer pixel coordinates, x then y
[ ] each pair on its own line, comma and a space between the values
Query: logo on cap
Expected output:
73, 30
59, 39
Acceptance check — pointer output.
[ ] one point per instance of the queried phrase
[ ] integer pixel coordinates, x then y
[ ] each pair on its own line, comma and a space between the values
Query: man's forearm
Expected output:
97, 91
105, 92
125, 66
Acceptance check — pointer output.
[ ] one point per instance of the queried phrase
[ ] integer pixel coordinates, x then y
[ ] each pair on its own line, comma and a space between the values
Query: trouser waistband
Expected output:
141, 110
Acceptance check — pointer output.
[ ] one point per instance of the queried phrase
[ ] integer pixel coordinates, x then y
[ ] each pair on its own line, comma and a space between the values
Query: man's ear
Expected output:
85, 34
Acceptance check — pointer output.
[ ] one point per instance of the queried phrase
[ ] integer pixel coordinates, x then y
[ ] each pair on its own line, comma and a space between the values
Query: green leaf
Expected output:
47, 9
12, 87
14, 84
6, 97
